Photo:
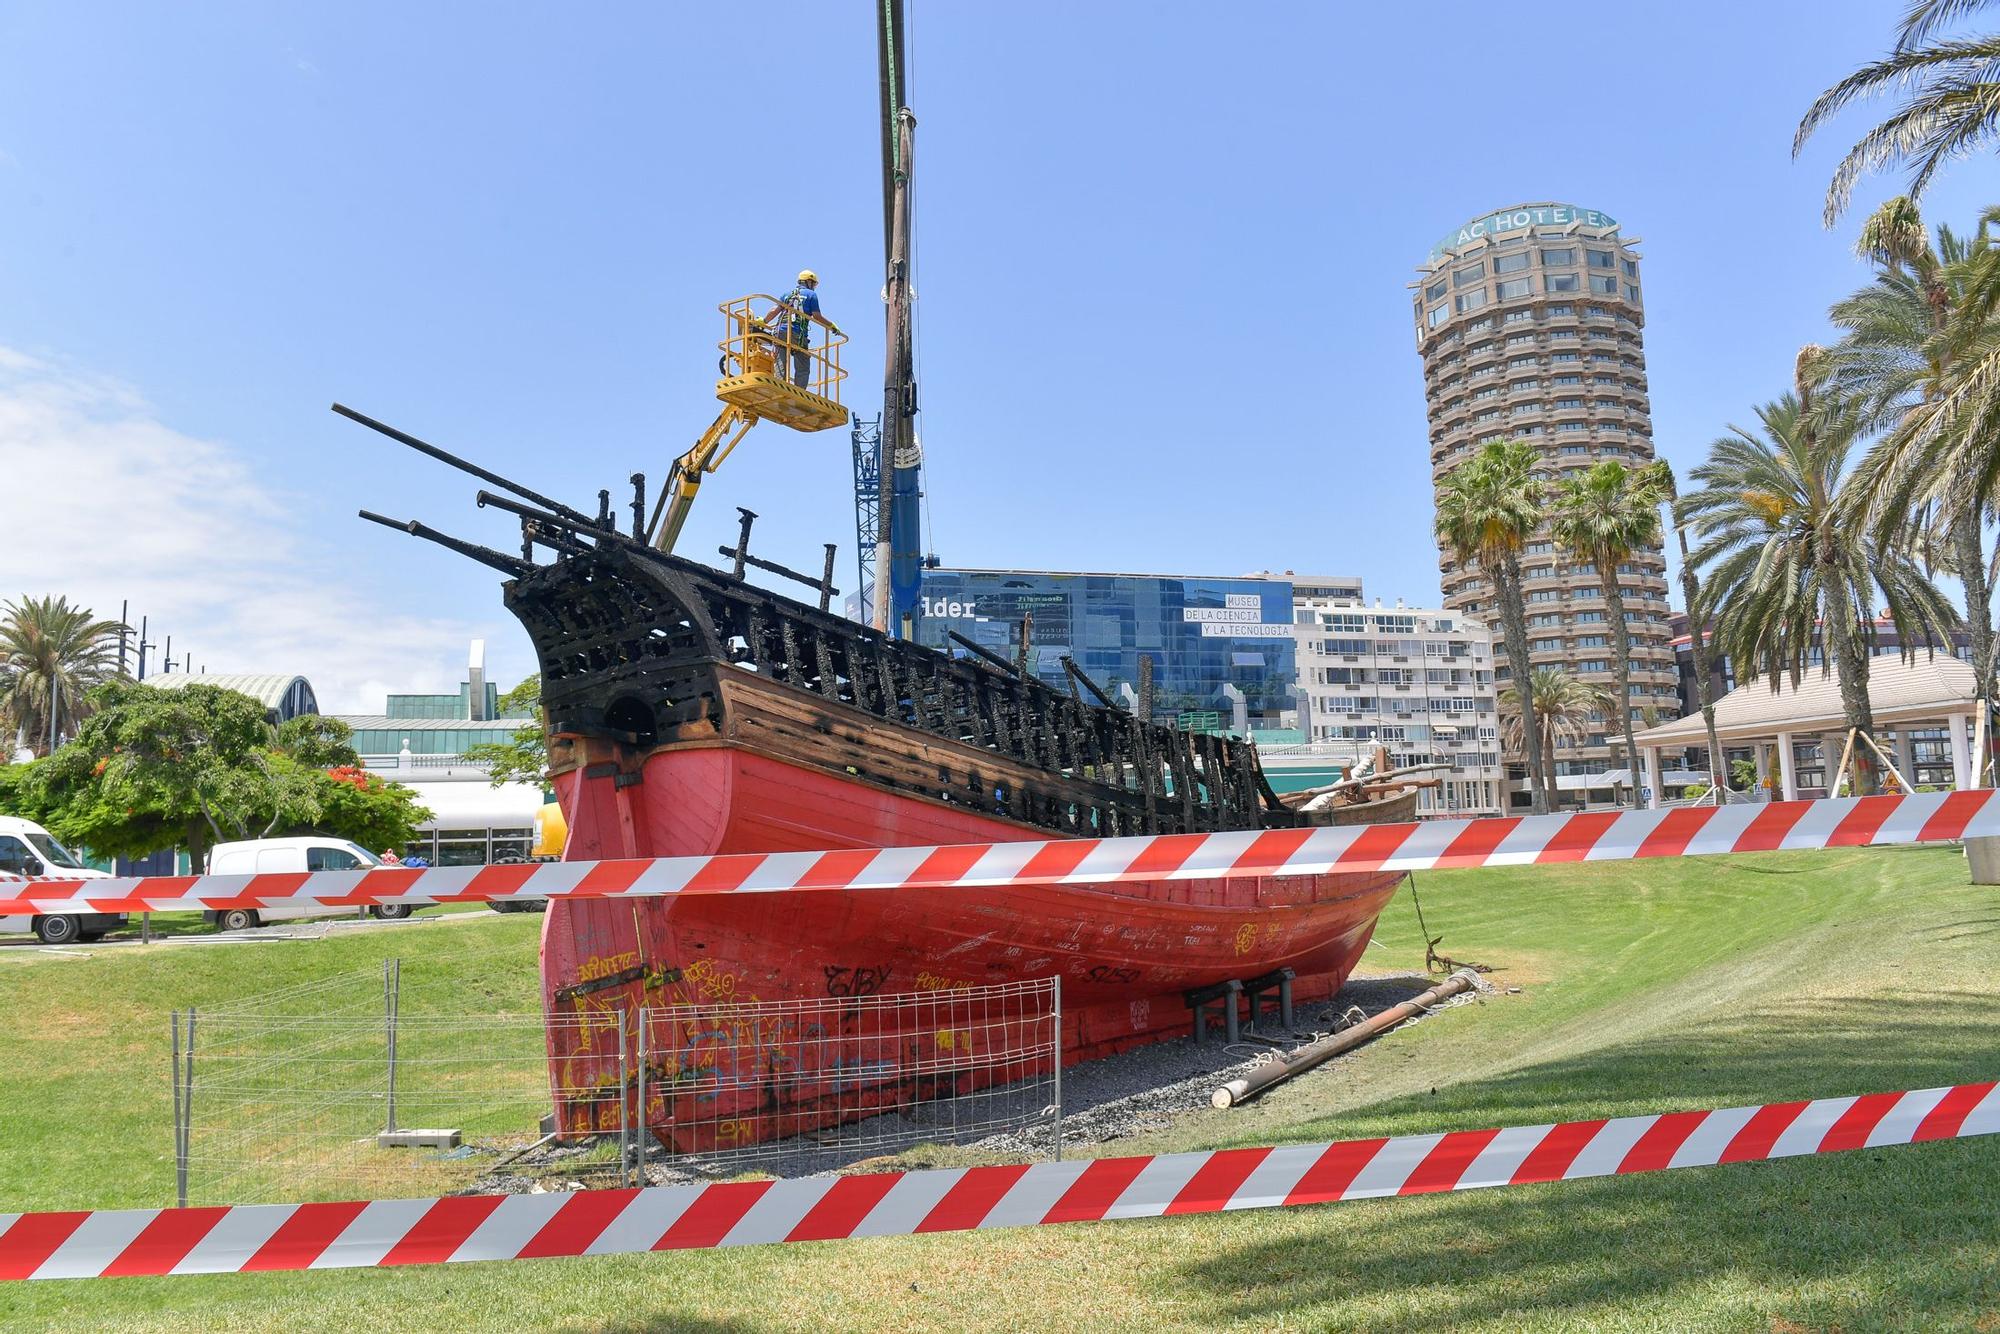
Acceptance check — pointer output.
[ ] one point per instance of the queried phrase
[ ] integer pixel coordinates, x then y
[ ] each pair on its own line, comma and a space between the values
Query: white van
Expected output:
282, 856
28, 849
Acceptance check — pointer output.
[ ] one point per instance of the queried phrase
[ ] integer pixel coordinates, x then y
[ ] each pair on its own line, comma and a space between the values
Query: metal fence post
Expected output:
1056, 1050
639, 1137
624, 1120
187, 1105
392, 986
180, 1136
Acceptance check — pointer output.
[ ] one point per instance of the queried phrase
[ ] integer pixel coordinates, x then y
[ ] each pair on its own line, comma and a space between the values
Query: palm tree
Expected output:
1951, 107
1896, 362
1487, 508
51, 654
1704, 687
1941, 462
1602, 516
1566, 707
1787, 569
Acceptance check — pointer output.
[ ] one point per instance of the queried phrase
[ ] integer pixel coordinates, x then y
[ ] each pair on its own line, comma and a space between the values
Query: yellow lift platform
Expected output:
756, 386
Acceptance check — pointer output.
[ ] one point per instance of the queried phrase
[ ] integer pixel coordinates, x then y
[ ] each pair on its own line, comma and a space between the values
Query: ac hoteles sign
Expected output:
1518, 219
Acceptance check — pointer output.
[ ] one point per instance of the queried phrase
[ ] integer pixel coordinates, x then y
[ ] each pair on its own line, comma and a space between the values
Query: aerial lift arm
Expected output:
677, 497
754, 386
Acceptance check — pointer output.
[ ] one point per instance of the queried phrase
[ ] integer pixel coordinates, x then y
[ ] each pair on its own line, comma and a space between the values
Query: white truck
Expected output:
28, 849
279, 856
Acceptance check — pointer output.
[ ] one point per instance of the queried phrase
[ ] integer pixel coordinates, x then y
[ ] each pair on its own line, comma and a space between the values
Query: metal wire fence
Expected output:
793, 1087
337, 1088
356, 1086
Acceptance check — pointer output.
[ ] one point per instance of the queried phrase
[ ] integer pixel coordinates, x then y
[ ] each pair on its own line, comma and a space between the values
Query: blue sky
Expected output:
1162, 253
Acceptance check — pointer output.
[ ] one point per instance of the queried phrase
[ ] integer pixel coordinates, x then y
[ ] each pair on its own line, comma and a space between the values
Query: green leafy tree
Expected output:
367, 808
162, 768
317, 742
1565, 707
1786, 570
51, 655
1951, 100
524, 756
1603, 516
200, 765
19, 792
1487, 508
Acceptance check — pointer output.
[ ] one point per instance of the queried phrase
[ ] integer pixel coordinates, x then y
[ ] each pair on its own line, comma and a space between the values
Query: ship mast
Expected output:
896, 538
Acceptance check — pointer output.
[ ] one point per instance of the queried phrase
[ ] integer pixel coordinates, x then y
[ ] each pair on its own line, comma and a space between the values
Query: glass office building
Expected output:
1211, 641
422, 739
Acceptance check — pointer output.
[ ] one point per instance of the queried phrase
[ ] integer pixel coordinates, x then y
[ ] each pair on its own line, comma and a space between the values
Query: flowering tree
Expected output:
202, 765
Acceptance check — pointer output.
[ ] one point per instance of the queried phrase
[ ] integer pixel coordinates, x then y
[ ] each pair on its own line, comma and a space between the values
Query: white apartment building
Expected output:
1417, 680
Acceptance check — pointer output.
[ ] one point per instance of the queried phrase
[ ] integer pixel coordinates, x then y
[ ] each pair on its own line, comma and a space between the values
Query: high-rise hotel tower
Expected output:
1530, 325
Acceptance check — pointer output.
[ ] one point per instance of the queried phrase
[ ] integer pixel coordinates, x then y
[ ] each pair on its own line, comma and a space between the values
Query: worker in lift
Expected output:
793, 325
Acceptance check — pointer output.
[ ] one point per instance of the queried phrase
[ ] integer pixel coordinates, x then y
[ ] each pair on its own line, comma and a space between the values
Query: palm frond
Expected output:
1924, 19
1949, 112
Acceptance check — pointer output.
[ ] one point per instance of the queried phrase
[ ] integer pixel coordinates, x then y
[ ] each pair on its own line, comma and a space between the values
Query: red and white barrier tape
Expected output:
248, 1238
1427, 845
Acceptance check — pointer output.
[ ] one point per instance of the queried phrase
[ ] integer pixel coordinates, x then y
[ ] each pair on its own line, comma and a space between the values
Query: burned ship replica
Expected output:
692, 712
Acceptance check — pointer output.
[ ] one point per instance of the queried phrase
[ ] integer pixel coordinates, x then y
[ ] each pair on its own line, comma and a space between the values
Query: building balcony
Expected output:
410, 768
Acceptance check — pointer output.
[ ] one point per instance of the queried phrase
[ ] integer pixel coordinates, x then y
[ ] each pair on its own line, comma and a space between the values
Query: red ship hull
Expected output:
1125, 952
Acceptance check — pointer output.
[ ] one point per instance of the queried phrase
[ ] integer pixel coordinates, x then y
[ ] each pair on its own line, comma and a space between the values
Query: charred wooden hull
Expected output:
648, 650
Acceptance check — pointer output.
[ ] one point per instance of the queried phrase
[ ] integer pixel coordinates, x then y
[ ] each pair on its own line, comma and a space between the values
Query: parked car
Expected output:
28, 849
289, 856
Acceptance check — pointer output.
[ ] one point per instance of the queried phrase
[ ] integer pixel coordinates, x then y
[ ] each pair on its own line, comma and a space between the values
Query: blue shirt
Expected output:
797, 327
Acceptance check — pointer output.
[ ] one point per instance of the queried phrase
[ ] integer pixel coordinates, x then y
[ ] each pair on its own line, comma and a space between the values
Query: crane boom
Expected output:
897, 536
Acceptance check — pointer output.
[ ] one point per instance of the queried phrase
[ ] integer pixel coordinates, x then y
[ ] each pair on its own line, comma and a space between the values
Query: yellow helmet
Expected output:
808, 276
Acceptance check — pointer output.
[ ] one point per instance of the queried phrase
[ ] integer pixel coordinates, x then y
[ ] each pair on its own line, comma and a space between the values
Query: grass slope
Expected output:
86, 1106
1645, 987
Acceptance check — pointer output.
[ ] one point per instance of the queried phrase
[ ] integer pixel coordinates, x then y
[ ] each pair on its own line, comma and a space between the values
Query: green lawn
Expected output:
1645, 987
84, 1058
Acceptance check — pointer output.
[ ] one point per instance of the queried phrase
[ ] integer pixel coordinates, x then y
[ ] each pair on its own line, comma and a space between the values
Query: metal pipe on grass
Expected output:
1318, 1052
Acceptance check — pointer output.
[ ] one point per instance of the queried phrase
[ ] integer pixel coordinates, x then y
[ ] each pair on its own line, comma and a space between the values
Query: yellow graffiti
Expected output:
1246, 937
709, 982
954, 1039
594, 1014
600, 966
933, 982
729, 1132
